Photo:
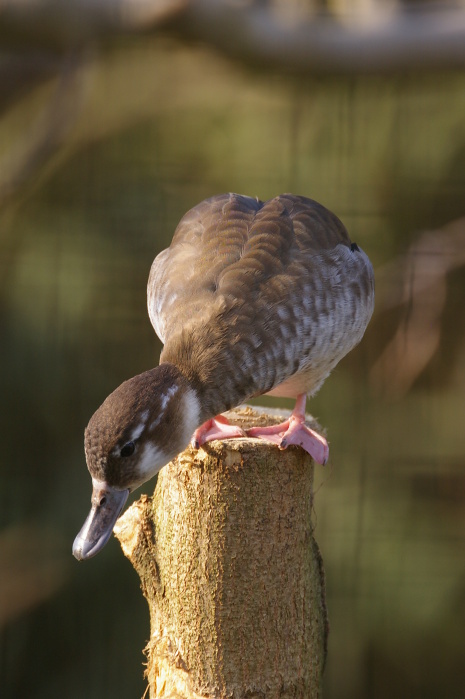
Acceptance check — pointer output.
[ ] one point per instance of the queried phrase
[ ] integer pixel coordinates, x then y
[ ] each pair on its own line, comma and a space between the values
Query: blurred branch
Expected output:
417, 281
369, 37
59, 24
379, 42
48, 134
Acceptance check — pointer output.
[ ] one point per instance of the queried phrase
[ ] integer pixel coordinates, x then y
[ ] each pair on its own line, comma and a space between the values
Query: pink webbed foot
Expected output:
216, 428
295, 431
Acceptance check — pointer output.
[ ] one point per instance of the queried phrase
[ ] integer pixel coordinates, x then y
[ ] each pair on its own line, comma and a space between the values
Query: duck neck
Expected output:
180, 405
208, 368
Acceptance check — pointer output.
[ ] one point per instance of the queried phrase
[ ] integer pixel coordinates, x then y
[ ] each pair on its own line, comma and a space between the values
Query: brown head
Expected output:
141, 426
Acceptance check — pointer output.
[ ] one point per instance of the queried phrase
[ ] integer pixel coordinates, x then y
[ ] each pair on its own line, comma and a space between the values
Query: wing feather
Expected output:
283, 268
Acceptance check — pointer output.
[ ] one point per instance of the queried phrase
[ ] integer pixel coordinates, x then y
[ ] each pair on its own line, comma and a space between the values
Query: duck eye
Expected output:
128, 449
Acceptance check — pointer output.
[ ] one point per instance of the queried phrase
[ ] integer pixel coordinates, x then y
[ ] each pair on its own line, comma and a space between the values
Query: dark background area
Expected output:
153, 127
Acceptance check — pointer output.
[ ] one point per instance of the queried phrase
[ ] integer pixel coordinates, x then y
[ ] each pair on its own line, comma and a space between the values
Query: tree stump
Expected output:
231, 572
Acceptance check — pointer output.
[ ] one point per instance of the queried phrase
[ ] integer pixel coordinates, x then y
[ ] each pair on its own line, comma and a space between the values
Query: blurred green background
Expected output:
153, 128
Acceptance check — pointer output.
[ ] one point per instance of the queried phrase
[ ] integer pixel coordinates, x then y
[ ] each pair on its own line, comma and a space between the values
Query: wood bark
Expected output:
231, 572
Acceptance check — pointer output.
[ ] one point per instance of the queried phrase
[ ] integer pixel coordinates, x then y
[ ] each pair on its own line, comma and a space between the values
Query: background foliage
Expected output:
153, 128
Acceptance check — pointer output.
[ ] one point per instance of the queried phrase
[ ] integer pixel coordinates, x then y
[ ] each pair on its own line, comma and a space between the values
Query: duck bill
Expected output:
107, 503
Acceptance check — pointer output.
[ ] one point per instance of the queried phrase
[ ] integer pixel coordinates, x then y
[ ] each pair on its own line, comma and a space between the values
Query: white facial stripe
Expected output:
138, 429
136, 432
191, 414
155, 422
150, 461
166, 397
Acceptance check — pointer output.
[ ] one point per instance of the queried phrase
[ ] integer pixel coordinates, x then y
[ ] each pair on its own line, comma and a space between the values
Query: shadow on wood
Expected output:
231, 572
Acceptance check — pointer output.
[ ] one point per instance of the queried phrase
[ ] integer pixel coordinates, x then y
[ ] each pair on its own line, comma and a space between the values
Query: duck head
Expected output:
139, 428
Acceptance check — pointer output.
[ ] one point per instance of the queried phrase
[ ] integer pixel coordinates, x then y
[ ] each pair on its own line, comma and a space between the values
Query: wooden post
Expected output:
231, 572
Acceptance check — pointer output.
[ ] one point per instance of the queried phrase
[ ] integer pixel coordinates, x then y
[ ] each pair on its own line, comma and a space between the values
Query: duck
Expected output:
252, 297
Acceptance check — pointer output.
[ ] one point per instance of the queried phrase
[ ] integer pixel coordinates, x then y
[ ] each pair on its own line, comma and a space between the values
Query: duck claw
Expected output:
294, 431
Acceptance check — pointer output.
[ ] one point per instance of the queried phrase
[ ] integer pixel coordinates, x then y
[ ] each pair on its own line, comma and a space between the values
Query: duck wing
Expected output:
275, 289
183, 281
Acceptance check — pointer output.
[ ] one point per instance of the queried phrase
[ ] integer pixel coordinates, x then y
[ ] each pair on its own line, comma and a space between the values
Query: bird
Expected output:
251, 297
